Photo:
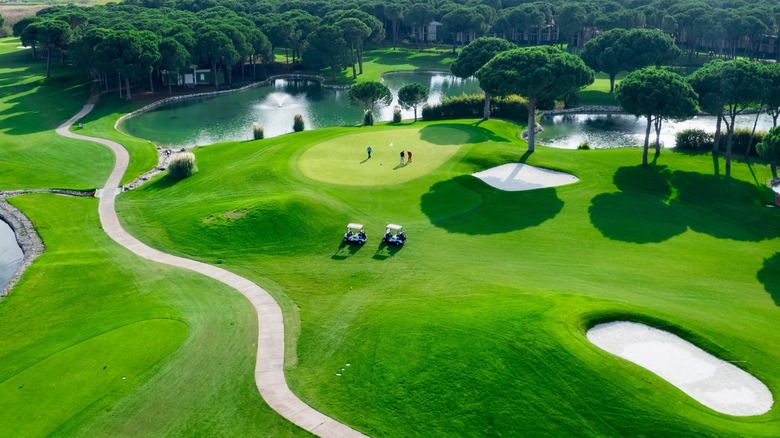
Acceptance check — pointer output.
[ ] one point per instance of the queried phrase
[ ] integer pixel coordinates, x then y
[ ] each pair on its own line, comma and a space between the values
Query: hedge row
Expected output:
700, 140
471, 105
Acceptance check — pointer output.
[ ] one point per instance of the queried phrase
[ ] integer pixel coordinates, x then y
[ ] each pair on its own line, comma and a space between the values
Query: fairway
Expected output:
480, 317
344, 160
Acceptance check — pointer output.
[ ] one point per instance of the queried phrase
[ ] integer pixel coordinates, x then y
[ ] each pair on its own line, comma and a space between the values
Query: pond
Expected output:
10, 254
603, 131
207, 120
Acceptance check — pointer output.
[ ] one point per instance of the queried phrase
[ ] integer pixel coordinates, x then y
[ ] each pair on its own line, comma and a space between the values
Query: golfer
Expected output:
368, 149
402, 158
408, 157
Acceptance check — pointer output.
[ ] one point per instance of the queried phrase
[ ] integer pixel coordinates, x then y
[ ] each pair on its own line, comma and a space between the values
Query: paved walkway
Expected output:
269, 369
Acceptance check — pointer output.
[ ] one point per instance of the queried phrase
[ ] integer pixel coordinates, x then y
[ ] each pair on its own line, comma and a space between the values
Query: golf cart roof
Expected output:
353, 225
395, 227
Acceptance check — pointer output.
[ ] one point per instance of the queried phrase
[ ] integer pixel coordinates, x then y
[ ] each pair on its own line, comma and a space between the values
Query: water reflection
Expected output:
10, 254
229, 117
602, 131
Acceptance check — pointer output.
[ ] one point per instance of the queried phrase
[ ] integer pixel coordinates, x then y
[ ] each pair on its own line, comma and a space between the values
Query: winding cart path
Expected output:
269, 368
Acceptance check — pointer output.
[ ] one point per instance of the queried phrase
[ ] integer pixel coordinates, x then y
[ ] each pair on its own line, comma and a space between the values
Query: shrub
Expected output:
584, 146
471, 105
368, 118
397, 114
298, 123
257, 130
182, 165
740, 140
694, 140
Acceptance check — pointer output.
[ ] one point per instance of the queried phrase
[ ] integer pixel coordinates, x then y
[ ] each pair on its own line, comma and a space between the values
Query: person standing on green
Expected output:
368, 149
402, 158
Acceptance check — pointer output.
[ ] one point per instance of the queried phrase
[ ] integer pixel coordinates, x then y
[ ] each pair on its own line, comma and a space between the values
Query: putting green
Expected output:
344, 160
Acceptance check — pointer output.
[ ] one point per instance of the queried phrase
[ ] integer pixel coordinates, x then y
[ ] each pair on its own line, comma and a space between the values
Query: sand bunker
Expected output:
712, 382
515, 177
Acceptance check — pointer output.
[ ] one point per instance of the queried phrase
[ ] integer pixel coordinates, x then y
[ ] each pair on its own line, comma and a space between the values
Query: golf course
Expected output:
476, 326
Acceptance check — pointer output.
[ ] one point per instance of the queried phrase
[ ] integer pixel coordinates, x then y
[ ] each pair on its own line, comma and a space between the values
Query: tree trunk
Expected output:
151, 82
415, 113
647, 140
454, 42
752, 133
119, 83
214, 71
127, 87
486, 109
729, 139
658, 123
352, 60
254, 68
612, 82
48, 62
34, 51
716, 145
774, 118
360, 59
531, 123
170, 90
243, 68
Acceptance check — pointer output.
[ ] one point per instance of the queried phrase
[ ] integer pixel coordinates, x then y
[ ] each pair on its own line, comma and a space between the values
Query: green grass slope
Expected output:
98, 342
477, 326
31, 107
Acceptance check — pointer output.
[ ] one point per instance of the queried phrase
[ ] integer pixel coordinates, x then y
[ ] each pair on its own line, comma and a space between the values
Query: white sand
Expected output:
712, 382
518, 176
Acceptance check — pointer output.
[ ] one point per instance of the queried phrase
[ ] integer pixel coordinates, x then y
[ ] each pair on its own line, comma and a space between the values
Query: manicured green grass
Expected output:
378, 61
334, 161
598, 93
31, 107
100, 123
476, 327
98, 342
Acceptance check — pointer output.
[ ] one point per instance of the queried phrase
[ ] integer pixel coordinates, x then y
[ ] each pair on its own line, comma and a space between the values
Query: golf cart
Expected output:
355, 234
394, 235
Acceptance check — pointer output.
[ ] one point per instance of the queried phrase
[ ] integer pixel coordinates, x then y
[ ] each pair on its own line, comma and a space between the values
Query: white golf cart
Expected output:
355, 234
394, 235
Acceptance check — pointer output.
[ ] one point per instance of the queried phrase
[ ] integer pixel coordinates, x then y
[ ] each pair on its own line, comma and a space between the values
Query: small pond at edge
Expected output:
603, 131
10, 254
226, 117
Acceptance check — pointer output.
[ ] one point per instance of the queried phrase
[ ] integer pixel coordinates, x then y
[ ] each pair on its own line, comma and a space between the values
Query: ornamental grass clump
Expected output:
257, 131
182, 165
397, 114
298, 123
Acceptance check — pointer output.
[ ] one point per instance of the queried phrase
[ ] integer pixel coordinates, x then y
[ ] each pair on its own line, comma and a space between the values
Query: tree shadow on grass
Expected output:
769, 276
41, 105
466, 205
726, 208
453, 134
654, 205
640, 212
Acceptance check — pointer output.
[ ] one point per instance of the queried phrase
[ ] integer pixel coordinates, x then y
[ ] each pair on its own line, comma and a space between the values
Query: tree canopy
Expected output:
369, 95
412, 96
536, 73
657, 95
475, 55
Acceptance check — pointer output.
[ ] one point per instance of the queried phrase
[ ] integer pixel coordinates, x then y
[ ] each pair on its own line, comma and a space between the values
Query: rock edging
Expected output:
28, 240
26, 237
591, 109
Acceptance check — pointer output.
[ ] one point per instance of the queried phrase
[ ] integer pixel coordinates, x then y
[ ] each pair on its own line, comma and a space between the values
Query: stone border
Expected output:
26, 237
593, 109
